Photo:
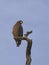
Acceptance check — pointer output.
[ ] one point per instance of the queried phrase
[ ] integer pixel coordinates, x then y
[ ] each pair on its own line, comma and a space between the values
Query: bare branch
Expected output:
29, 32
29, 45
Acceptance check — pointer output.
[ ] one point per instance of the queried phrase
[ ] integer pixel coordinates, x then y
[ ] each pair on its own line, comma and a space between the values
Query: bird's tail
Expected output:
18, 42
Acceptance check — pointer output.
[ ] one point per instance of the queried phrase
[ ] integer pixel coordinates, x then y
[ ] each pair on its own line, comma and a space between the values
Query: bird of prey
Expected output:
17, 32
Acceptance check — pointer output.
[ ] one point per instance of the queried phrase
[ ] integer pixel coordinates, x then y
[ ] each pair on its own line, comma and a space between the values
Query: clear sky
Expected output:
35, 16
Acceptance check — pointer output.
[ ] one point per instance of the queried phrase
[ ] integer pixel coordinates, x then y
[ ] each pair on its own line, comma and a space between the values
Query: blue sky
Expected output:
35, 16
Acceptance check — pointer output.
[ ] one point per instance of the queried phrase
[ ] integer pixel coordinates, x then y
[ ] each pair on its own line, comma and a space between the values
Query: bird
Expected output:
17, 31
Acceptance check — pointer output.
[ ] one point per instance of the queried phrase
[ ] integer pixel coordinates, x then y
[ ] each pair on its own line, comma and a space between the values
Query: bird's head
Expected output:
20, 21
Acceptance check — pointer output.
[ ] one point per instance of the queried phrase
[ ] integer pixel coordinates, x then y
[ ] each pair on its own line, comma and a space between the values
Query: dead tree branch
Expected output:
29, 45
28, 33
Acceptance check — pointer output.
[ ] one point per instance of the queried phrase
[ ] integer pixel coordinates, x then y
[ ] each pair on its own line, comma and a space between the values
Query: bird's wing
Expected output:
16, 29
21, 31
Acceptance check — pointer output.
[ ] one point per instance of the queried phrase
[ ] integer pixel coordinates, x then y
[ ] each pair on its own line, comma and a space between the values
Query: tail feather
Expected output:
18, 42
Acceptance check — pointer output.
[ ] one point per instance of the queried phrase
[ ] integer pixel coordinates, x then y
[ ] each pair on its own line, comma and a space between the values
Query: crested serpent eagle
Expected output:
17, 31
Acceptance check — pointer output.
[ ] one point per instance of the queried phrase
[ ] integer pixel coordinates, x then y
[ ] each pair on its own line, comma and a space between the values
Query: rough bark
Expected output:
28, 53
